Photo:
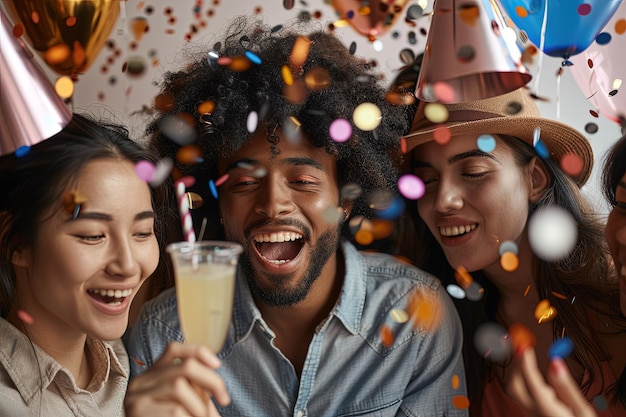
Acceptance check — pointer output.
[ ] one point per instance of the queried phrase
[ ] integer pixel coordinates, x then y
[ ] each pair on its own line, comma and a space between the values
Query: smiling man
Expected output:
317, 327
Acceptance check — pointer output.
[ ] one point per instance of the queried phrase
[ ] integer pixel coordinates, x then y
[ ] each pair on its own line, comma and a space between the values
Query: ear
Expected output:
539, 179
21, 257
347, 205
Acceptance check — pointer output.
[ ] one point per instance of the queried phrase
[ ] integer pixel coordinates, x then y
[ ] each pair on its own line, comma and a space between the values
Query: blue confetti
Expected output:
253, 57
22, 151
486, 143
213, 189
603, 38
561, 348
542, 149
395, 209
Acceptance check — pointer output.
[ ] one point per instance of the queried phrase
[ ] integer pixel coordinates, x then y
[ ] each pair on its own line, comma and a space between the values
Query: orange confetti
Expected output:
461, 402
57, 54
18, 30
521, 337
386, 335
78, 54
239, 64
299, 54
544, 311
620, 26
559, 295
287, 75
70, 21
25, 317
521, 11
442, 134
469, 14
571, 164
137, 361
424, 310
509, 261
455, 381
317, 79
189, 154
404, 148
364, 237
72, 201
206, 107
463, 277
526, 290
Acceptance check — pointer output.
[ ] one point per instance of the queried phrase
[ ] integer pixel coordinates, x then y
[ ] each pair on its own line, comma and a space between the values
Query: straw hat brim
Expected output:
559, 138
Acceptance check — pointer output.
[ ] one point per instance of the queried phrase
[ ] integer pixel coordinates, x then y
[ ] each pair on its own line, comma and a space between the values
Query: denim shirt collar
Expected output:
349, 308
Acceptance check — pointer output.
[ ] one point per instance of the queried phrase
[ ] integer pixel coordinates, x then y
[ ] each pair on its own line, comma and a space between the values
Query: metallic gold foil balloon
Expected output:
67, 34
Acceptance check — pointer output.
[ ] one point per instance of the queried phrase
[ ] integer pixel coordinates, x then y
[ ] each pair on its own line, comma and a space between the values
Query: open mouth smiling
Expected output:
278, 247
454, 231
112, 297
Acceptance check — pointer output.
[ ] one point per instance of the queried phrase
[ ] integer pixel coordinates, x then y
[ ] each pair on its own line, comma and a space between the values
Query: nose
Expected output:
274, 198
449, 196
122, 262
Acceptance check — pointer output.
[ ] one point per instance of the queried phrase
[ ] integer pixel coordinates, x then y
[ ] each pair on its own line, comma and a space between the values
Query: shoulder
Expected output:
383, 268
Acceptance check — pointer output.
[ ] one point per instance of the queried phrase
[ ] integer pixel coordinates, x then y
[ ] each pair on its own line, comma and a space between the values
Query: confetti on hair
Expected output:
526, 290
253, 57
544, 311
559, 295
72, 201
287, 75
25, 317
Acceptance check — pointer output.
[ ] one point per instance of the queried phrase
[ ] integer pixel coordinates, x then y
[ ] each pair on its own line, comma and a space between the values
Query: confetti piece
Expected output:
137, 361
399, 316
340, 130
521, 337
486, 143
213, 189
287, 75
367, 116
509, 261
558, 295
492, 342
508, 246
561, 348
436, 112
22, 151
455, 291
463, 277
552, 233
544, 311
386, 336
424, 310
25, 317
461, 402
411, 186
526, 290
455, 381
221, 180
145, 170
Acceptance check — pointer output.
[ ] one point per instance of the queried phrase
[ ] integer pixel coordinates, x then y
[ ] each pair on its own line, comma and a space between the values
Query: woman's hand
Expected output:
559, 396
181, 383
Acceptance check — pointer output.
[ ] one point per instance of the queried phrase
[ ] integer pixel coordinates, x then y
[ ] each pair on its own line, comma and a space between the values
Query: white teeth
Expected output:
276, 261
456, 230
111, 293
277, 237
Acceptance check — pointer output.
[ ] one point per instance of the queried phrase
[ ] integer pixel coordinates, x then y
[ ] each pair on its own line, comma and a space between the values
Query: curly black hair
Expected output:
251, 70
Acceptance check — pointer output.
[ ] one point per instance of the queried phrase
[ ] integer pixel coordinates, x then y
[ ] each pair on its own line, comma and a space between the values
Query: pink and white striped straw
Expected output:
183, 209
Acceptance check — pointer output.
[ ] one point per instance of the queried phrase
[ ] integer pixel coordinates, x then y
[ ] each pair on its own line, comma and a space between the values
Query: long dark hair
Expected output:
584, 276
31, 186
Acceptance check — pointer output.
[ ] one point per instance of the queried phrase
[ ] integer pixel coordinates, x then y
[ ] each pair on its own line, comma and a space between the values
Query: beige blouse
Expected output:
34, 384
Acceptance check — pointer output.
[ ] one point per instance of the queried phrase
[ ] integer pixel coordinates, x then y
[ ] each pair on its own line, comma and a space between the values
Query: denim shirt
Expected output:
348, 370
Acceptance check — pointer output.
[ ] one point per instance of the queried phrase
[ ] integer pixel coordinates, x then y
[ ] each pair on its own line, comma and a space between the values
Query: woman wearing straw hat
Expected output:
480, 197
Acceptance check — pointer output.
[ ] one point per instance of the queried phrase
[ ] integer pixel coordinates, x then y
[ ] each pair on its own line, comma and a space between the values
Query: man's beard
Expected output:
278, 295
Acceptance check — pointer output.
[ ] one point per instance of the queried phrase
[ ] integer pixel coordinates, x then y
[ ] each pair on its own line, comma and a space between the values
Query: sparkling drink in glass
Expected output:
205, 285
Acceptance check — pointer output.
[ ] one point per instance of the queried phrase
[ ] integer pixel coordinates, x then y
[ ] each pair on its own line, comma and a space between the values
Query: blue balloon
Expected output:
571, 25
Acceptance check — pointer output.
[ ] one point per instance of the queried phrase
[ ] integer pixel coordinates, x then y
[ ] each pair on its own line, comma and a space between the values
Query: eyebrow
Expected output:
94, 215
297, 161
475, 153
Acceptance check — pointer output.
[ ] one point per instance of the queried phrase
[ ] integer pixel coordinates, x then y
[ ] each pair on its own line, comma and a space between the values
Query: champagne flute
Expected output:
205, 285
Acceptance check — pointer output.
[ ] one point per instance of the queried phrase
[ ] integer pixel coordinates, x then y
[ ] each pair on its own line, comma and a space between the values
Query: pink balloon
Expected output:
600, 70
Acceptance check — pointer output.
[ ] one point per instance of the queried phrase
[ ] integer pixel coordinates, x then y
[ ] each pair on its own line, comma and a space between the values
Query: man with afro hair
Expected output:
291, 136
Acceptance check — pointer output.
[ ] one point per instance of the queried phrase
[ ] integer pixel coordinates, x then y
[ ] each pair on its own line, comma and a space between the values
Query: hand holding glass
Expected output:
205, 284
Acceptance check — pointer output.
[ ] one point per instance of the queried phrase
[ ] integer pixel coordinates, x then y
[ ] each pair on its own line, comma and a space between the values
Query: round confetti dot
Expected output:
436, 112
394, 209
442, 134
521, 11
466, 53
492, 343
399, 316
177, 130
584, 9
333, 215
57, 54
64, 87
351, 191
411, 186
25, 317
22, 151
521, 337
544, 311
145, 170
367, 116
600, 403
620, 26
509, 261
461, 402
363, 237
340, 130
162, 171
571, 164
552, 233
513, 107
486, 143
444, 92
474, 292
455, 291
253, 120
508, 246
561, 348
591, 127
317, 79
456, 381
603, 38
135, 66
213, 189
189, 155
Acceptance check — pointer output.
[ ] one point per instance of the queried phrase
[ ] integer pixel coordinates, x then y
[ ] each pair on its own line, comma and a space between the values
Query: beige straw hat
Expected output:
513, 114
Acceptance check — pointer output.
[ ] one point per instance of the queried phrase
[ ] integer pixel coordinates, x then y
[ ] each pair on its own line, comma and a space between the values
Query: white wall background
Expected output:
106, 90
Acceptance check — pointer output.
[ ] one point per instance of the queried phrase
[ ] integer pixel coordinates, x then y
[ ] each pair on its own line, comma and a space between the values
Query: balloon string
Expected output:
542, 40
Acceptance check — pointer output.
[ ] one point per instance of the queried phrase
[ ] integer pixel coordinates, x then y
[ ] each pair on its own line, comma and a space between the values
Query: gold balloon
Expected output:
67, 34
